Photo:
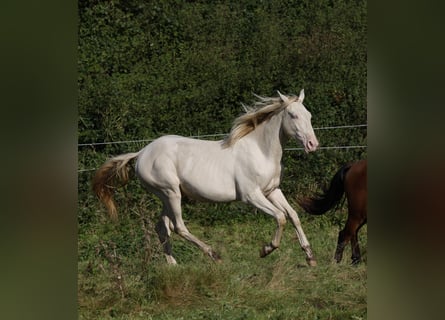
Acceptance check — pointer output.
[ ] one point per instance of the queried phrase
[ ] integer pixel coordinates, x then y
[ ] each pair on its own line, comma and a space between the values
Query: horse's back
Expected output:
171, 150
201, 169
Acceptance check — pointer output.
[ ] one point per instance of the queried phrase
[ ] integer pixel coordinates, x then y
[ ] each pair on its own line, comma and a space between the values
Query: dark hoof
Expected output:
215, 257
263, 253
266, 250
311, 262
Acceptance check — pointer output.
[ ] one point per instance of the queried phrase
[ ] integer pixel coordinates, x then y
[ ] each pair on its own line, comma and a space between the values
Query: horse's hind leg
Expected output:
356, 255
174, 205
341, 244
163, 230
346, 235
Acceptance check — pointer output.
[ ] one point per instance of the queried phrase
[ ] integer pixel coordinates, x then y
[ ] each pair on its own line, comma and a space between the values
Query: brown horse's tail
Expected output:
111, 175
330, 197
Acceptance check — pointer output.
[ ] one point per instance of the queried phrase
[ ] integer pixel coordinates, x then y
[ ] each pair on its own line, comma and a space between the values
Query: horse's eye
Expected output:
293, 115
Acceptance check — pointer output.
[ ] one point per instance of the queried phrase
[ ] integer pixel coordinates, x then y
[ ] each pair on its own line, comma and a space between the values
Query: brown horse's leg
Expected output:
345, 236
341, 244
356, 256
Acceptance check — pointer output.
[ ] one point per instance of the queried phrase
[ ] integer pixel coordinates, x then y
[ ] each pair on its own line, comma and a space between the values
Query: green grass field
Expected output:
122, 273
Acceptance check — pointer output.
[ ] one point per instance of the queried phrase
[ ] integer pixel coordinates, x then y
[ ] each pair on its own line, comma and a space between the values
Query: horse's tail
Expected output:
329, 197
111, 175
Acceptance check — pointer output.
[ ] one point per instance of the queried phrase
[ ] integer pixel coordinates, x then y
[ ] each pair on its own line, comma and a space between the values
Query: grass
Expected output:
122, 273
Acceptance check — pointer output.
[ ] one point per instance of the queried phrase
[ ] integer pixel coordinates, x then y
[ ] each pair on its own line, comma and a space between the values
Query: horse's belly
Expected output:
208, 190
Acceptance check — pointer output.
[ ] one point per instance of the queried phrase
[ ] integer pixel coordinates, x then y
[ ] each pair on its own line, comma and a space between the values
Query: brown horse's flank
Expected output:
350, 179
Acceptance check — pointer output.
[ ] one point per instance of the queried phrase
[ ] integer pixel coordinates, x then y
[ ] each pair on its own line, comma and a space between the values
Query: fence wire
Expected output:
92, 144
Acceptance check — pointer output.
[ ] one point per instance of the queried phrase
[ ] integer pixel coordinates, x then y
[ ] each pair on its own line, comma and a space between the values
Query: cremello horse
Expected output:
245, 166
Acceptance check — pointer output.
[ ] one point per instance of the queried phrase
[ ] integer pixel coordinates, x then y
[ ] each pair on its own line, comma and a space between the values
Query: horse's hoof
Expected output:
266, 250
215, 257
262, 253
311, 262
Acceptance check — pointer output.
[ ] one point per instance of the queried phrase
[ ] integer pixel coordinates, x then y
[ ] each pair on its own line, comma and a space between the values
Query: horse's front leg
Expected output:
279, 200
258, 200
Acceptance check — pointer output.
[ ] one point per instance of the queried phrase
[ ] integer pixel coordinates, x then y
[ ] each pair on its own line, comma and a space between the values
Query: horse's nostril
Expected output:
312, 144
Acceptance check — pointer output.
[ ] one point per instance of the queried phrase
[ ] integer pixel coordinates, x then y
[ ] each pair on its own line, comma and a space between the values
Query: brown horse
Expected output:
352, 180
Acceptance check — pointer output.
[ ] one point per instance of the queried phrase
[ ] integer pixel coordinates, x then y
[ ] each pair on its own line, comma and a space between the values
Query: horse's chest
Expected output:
269, 177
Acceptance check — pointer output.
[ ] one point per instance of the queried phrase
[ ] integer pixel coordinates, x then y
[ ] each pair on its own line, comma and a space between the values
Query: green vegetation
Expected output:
149, 68
123, 274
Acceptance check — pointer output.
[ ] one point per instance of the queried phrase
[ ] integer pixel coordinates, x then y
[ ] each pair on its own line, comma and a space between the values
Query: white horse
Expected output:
245, 166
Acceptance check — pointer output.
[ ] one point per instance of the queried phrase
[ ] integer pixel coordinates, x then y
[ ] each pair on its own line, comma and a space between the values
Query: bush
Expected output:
150, 68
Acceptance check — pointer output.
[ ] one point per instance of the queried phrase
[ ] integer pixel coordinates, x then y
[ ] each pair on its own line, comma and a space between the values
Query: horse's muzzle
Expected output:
311, 145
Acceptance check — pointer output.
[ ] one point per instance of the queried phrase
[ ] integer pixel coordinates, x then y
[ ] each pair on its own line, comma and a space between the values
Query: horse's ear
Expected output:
301, 96
283, 97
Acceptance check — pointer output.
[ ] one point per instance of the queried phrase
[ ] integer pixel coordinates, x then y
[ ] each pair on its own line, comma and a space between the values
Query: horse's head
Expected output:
297, 122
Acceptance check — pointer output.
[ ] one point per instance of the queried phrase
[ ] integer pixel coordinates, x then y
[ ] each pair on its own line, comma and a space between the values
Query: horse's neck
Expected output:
269, 137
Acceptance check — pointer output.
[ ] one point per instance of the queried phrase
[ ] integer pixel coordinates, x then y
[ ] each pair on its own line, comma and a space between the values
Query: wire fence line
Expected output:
224, 134
328, 148
92, 144
286, 149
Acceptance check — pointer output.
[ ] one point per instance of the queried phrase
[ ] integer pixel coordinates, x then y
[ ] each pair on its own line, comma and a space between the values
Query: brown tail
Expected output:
111, 175
322, 202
